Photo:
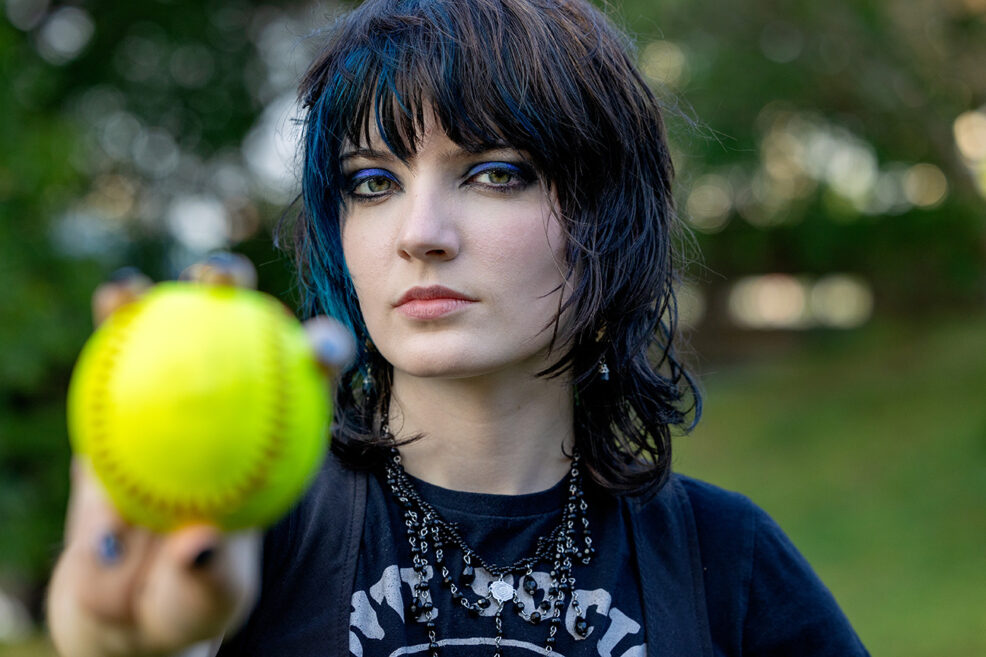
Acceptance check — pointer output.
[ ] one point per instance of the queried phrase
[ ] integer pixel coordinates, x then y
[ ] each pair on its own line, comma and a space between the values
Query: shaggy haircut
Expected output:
556, 80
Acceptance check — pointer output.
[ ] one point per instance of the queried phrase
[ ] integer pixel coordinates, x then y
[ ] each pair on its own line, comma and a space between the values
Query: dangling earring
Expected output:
368, 381
603, 368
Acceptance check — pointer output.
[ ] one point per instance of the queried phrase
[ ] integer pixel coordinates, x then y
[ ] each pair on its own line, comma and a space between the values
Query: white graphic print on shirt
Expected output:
379, 612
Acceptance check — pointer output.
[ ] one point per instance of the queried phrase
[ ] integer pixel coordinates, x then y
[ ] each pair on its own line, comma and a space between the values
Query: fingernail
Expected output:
204, 558
109, 549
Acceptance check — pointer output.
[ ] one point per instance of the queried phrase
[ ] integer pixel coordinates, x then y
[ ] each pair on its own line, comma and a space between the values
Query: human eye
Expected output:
501, 176
370, 184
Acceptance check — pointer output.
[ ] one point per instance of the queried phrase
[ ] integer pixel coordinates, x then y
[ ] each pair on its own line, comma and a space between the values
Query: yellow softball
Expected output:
200, 403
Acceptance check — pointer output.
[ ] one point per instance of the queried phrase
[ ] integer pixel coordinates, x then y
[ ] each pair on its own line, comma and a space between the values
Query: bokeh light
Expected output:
925, 185
664, 62
26, 14
64, 34
709, 203
783, 301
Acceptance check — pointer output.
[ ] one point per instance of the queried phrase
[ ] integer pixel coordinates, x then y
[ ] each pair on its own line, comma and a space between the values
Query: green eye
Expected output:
499, 176
378, 185
502, 176
370, 183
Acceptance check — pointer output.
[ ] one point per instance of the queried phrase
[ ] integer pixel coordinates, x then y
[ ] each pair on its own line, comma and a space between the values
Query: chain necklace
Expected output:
429, 535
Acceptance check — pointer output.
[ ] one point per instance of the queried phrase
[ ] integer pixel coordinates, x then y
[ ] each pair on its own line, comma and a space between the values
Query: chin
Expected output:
443, 367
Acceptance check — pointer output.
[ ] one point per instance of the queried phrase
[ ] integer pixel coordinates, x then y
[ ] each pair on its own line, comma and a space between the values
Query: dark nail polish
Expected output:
109, 549
204, 558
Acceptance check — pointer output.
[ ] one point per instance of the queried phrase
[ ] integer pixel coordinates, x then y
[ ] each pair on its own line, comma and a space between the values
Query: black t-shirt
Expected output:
716, 575
501, 529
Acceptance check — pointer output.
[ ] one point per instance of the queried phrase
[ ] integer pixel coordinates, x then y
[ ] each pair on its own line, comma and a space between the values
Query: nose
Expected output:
428, 230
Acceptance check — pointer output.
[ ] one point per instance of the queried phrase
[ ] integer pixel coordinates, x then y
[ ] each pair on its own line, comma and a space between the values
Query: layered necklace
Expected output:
430, 535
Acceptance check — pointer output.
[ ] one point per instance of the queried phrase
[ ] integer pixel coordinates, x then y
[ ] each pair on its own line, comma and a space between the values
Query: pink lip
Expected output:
431, 302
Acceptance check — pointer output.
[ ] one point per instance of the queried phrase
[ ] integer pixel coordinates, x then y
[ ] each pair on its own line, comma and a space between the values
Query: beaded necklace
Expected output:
429, 535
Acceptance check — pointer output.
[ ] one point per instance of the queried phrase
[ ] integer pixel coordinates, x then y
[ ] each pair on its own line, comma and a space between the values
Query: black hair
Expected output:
556, 80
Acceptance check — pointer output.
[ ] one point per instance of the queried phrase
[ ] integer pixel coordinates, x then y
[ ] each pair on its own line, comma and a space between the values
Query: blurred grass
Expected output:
869, 448
35, 647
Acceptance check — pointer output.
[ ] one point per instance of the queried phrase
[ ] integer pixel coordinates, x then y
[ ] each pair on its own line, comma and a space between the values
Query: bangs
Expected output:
493, 73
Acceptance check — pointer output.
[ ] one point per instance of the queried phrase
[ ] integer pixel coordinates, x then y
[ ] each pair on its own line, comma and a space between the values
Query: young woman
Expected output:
487, 208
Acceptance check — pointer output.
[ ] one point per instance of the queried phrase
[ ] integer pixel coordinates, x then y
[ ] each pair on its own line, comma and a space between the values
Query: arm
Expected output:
789, 610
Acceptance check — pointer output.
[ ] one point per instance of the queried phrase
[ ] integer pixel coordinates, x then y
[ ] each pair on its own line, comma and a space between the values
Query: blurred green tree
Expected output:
812, 138
822, 137
112, 111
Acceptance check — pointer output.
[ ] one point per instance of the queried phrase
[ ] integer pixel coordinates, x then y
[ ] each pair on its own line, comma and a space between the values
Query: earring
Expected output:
603, 367
368, 380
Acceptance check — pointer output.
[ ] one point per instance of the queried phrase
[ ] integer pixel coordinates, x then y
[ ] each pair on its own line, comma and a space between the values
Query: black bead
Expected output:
550, 641
427, 606
553, 592
468, 575
519, 605
535, 617
530, 585
430, 625
483, 603
581, 626
545, 605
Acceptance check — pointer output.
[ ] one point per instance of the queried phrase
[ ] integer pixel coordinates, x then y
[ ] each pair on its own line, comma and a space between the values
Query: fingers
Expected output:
333, 344
129, 284
102, 549
200, 584
125, 286
223, 269
147, 593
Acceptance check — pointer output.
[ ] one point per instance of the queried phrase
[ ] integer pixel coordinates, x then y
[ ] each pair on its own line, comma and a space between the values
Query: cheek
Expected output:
529, 263
358, 249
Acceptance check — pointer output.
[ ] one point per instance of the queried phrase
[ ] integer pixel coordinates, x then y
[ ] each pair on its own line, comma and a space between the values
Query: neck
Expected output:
485, 434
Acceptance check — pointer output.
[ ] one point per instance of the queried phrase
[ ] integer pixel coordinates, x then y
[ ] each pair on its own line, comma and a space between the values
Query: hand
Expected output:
123, 590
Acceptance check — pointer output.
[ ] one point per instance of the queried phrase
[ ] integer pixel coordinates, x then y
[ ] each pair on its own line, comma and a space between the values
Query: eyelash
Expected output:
522, 177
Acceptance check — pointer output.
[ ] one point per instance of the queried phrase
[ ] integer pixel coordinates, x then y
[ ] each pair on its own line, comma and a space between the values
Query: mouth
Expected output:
431, 302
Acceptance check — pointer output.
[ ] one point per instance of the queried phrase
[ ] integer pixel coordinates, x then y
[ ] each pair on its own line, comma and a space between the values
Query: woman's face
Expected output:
457, 258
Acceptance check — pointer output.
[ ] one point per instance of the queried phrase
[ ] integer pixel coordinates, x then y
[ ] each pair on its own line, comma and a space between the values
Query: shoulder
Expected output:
761, 594
708, 511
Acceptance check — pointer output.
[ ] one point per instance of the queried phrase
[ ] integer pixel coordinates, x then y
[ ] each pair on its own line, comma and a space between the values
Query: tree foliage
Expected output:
803, 121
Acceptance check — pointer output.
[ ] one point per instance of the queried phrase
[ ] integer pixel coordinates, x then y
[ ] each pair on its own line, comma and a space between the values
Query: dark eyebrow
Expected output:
367, 153
457, 152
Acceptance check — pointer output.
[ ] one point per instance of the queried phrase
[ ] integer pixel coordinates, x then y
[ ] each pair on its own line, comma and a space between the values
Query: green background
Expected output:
867, 444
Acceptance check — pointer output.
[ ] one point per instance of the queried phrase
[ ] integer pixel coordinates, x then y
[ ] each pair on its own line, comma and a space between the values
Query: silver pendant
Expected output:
501, 591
